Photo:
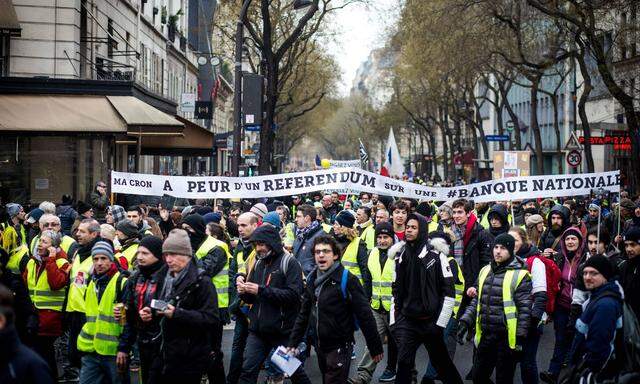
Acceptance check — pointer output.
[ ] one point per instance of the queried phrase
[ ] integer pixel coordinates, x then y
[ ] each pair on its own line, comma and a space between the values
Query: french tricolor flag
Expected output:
392, 164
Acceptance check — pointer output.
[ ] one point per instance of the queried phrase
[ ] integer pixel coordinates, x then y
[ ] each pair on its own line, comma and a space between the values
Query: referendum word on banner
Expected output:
358, 180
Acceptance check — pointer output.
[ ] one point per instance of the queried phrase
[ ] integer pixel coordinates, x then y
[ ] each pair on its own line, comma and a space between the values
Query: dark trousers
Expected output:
494, 353
258, 348
335, 365
409, 335
240, 334
529, 363
75, 322
215, 372
45, 348
561, 347
150, 363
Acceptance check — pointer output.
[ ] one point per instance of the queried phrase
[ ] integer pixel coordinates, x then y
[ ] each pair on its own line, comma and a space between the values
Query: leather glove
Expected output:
463, 332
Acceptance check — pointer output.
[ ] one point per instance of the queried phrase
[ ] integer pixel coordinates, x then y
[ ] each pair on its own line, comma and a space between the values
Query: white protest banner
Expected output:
358, 180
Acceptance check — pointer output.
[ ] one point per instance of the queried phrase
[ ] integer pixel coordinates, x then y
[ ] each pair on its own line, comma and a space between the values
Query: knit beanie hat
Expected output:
627, 204
103, 248
531, 211
573, 231
507, 241
212, 217
128, 228
534, 220
601, 264
632, 234
442, 235
13, 209
345, 219
274, 219
177, 242
153, 244
83, 207
259, 210
384, 228
446, 207
35, 215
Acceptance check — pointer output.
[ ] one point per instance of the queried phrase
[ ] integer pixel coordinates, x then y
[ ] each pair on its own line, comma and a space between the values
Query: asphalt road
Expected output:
463, 358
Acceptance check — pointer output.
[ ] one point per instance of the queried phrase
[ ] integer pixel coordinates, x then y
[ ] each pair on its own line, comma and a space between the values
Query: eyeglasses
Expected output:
323, 251
102, 186
52, 225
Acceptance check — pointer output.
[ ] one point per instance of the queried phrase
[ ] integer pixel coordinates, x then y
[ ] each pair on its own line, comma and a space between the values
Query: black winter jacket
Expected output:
630, 281
499, 211
477, 253
186, 337
26, 314
436, 281
275, 307
332, 315
492, 318
19, 364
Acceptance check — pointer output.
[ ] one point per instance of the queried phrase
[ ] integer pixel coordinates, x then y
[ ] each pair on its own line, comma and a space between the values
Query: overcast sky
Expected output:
362, 28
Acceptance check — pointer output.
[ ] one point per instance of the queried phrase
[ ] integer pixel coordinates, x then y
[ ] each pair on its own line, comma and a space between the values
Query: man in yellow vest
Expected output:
382, 275
98, 339
212, 256
242, 263
128, 236
14, 233
88, 234
353, 248
52, 222
366, 228
501, 313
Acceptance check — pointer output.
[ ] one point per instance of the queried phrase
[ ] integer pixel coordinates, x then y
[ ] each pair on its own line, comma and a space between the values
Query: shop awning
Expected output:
8, 19
143, 119
195, 141
59, 113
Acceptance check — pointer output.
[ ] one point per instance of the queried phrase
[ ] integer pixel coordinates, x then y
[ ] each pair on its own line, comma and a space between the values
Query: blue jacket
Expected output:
303, 252
597, 327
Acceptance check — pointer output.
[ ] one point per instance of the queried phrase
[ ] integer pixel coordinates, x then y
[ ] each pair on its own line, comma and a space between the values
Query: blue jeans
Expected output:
560, 320
240, 333
101, 369
529, 364
450, 340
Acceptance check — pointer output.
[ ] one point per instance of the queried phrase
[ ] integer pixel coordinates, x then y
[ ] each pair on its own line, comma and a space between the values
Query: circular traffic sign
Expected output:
574, 158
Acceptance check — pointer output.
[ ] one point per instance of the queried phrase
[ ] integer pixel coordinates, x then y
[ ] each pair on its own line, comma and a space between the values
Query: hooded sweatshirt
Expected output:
499, 211
550, 234
568, 262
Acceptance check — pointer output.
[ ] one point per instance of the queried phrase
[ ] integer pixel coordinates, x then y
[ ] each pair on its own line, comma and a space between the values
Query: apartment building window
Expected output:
5, 40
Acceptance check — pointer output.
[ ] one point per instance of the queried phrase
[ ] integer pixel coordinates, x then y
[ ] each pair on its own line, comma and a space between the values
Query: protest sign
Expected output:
358, 180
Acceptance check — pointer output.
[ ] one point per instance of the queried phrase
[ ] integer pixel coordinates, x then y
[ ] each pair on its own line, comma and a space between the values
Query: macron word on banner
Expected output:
359, 180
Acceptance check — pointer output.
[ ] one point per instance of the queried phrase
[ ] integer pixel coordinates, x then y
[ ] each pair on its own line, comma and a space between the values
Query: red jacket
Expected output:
50, 322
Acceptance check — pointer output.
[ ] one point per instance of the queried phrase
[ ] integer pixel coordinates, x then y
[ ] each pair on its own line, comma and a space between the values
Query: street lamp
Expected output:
237, 84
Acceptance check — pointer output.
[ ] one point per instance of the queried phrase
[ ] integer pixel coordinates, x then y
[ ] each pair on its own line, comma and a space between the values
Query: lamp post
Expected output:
237, 81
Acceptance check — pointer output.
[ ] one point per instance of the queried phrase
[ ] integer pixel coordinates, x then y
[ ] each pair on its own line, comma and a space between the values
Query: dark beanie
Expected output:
442, 235
128, 228
384, 228
507, 241
154, 245
573, 231
601, 264
83, 207
632, 234
346, 219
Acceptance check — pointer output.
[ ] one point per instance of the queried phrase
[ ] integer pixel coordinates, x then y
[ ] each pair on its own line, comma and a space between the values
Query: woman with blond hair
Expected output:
535, 228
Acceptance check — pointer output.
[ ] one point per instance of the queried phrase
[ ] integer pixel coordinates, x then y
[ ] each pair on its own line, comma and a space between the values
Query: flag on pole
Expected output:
318, 161
392, 163
364, 156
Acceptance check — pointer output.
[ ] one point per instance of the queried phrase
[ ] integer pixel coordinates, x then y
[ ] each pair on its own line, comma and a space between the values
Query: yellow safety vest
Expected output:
289, 234
369, 236
326, 227
41, 294
10, 237
221, 279
350, 259
512, 279
458, 286
65, 244
381, 280
242, 263
101, 331
78, 280
129, 253
16, 257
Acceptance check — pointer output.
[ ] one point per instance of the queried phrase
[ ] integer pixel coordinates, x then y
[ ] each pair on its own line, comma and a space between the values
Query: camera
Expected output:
159, 305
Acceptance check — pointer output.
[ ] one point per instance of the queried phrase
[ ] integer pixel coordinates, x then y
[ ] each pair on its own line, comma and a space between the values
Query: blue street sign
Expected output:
497, 137
252, 128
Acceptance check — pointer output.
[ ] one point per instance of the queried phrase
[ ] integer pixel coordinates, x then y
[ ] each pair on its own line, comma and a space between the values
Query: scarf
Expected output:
301, 233
85, 250
458, 243
321, 277
171, 281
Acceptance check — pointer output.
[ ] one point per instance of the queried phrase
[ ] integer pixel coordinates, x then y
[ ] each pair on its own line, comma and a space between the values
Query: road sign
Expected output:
188, 102
252, 128
574, 158
204, 110
497, 137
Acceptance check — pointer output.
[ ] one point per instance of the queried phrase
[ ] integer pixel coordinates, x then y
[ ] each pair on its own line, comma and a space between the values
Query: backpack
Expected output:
554, 276
345, 295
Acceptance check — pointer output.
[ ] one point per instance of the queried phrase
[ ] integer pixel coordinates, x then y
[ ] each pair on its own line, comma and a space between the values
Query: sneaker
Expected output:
548, 377
353, 355
69, 377
387, 376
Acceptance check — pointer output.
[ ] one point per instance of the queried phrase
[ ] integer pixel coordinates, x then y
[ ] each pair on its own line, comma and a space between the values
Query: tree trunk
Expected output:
483, 140
498, 108
267, 135
445, 149
432, 148
556, 128
513, 116
582, 110
535, 82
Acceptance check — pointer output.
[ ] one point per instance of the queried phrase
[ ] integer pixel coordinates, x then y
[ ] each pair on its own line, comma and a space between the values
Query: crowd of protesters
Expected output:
95, 292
